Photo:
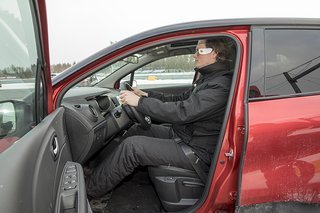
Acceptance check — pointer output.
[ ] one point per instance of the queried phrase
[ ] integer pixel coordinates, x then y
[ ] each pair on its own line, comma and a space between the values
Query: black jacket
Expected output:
197, 114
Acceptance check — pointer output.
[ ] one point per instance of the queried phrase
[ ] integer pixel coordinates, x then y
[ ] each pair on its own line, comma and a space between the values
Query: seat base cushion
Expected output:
177, 188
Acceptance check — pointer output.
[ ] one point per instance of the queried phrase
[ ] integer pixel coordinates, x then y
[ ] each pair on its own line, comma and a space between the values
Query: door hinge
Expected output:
241, 130
233, 195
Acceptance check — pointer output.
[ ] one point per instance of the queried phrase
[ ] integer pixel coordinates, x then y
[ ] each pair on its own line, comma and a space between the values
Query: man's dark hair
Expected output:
221, 47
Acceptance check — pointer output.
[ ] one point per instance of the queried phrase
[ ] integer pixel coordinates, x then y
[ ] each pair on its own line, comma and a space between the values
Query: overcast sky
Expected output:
79, 28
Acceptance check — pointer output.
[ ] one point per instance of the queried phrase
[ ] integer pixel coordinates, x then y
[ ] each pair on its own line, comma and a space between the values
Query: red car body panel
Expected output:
282, 160
5, 143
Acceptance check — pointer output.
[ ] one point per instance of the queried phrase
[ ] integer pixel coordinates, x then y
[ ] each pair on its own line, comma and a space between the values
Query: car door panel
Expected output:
72, 192
282, 166
30, 172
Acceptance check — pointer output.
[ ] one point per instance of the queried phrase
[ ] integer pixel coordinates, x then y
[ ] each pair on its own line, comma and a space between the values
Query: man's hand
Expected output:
139, 92
129, 98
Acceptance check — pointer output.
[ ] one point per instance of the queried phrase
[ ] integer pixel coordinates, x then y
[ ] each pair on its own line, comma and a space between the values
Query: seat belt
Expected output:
194, 161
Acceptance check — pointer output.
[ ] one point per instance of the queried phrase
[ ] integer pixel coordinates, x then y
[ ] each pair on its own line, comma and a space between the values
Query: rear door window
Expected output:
292, 64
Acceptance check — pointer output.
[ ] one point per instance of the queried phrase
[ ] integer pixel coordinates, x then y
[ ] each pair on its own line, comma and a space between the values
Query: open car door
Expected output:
37, 172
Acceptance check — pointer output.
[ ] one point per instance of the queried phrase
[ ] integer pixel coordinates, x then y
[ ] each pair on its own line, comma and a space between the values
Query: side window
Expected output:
18, 61
292, 63
166, 72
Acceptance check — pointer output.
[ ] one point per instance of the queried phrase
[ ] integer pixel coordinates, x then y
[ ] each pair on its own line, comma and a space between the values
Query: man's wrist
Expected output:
137, 102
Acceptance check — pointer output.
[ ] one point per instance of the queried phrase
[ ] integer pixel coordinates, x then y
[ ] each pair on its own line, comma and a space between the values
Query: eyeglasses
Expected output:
203, 51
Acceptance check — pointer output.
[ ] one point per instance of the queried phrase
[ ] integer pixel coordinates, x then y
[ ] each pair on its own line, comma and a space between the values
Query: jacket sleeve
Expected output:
165, 97
209, 100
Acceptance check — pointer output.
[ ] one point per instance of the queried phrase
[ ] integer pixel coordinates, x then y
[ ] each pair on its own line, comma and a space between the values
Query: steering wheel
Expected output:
137, 117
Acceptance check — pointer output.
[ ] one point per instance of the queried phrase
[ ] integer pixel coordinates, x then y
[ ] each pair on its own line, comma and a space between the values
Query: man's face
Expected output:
202, 60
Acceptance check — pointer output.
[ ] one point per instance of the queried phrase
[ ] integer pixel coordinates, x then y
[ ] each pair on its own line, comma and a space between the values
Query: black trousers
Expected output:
139, 147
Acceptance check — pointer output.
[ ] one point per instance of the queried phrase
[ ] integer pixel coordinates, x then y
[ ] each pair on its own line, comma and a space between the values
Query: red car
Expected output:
268, 155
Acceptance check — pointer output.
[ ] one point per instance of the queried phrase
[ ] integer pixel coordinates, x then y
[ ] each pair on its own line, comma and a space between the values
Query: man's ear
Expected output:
214, 55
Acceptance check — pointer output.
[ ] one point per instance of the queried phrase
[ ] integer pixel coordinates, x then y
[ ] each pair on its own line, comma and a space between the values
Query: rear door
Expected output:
281, 168
35, 159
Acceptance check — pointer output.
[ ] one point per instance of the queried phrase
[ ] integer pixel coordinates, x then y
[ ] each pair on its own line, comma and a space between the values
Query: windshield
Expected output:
105, 72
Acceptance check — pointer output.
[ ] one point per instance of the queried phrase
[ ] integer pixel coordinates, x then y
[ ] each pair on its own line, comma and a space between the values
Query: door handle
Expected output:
55, 148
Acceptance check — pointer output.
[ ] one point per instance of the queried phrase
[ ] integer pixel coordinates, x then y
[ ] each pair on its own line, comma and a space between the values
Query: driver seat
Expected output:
177, 188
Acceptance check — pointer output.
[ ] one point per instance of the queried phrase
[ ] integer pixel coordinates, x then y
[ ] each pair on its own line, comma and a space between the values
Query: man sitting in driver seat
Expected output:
196, 117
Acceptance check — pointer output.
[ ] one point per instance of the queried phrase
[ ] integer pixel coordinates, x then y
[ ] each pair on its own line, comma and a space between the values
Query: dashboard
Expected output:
93, 117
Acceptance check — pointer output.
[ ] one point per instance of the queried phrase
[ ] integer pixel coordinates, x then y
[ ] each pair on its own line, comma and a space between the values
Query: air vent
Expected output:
93, 111
115, 101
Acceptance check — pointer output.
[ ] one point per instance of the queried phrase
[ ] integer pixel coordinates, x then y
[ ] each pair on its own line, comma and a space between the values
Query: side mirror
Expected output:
8, 119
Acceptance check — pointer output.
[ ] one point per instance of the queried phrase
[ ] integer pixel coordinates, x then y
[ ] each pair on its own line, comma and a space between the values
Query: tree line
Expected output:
57, 68
182, 63
179, 63
19, 72
29, 72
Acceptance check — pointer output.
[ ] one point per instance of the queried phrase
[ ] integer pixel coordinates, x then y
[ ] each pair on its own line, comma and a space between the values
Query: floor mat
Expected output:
135, 194
98, 205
